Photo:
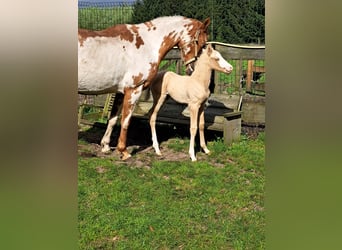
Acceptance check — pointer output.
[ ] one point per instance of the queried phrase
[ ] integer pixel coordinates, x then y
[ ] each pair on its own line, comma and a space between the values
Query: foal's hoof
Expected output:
105, 149
193, 158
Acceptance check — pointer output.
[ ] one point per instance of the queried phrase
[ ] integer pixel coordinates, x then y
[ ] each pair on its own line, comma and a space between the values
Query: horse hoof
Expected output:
125, 156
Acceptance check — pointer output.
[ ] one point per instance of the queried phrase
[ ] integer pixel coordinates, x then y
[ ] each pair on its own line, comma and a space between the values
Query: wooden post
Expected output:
249, 75
179, 67
238, 73
231, 127
217, 84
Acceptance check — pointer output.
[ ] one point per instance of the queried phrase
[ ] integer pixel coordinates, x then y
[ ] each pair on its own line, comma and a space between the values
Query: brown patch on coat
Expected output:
150, 26
202, 38
139, 41
152, 73
168, 42
153, 70
120, 30
127, 108
83, 34
137, 79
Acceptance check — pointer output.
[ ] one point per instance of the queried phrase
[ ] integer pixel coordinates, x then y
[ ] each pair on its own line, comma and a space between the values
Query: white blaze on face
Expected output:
222, 62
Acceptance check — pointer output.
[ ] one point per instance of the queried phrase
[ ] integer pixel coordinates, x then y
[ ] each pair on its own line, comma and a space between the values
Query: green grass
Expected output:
213, 204
95, 18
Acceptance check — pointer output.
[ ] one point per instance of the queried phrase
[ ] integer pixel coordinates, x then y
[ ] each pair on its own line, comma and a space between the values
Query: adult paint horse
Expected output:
123, 59
192, 90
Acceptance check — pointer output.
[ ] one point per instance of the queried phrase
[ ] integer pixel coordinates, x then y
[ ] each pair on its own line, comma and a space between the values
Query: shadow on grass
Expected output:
139, 134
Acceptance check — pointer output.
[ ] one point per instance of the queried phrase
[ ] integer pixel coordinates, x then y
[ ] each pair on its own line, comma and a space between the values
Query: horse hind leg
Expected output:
114, 114
201, 130
193, 129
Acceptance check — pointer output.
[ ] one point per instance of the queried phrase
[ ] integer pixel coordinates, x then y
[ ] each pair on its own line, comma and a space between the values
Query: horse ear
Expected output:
206, 23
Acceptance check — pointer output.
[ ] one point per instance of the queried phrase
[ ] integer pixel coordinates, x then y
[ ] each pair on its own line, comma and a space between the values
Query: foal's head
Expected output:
198, 32
215, 60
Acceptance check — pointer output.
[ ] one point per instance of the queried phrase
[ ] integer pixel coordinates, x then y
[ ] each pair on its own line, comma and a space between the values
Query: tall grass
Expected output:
95, 18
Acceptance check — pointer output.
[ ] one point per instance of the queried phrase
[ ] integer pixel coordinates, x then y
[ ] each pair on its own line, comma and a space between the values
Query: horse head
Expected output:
215, 60
198, 32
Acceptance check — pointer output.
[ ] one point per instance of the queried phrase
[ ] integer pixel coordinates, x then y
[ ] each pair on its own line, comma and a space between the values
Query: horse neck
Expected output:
164, 49
202, 72
170, 38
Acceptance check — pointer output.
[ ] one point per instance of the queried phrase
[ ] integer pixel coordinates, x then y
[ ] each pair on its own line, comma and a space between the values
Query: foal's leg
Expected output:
157, 103
193, 129
201, 129
114, 114
130, 99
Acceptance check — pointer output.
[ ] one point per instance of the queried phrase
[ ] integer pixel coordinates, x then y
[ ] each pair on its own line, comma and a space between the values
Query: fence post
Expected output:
249, 75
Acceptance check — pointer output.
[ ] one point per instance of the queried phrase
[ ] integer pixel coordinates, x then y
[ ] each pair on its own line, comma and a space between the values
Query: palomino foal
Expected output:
192, 90
123, 59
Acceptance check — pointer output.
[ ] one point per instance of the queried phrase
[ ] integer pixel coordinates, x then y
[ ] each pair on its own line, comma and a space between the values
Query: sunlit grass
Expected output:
177, 204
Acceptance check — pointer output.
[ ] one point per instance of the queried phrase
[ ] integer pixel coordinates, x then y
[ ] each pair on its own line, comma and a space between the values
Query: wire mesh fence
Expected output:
101, 15
247, 76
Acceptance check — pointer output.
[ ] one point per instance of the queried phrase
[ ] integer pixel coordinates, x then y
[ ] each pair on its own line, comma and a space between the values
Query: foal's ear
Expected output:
206, 23
209, 49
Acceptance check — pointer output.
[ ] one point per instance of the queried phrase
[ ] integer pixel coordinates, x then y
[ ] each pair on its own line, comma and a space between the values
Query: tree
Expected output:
232, 21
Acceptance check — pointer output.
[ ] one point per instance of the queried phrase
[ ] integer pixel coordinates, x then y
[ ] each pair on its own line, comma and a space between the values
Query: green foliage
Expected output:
232, 21
239, 21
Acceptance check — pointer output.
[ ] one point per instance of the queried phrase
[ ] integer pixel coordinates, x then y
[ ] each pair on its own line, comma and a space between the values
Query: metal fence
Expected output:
101, 15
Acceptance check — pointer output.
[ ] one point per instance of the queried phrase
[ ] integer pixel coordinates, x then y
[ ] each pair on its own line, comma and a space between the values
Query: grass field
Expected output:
215, 203
94, 18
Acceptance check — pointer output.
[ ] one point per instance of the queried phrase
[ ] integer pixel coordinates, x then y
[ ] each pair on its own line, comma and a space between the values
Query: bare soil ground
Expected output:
139, 143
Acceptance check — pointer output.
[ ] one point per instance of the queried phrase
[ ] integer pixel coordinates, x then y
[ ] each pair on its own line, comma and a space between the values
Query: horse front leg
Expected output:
201, 129
114, 114
193, 129
157, 103
131, 97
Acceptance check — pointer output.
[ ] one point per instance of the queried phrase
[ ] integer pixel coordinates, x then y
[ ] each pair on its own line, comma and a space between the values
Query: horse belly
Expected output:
178, 87
101, 68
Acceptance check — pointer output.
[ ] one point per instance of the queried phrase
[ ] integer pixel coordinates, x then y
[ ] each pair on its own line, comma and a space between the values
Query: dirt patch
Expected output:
252, 131
139, 143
